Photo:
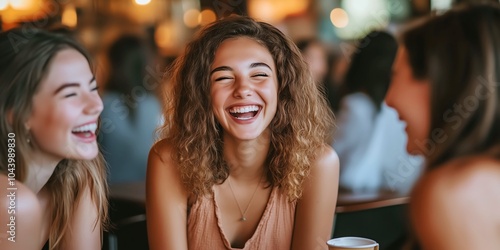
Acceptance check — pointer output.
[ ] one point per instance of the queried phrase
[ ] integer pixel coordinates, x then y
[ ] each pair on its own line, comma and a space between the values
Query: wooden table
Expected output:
347, 201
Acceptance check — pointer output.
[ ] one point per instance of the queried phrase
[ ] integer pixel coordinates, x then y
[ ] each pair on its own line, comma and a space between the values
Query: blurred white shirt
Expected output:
371, 146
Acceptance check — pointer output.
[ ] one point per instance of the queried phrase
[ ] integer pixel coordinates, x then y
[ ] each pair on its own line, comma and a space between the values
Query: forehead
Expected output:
240, 48
67, 65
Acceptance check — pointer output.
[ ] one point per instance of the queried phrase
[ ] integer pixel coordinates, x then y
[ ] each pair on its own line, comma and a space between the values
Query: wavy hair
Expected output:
459, 52
24, 59
302, 124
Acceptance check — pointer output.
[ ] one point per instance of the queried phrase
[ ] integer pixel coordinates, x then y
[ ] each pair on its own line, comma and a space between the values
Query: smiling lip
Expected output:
241, 108
88, 134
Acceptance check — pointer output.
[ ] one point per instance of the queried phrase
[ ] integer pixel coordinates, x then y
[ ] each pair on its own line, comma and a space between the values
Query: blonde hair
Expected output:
301, 126
24, 59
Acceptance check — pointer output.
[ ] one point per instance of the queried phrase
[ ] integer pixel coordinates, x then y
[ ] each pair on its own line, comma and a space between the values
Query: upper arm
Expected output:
166, 201
84, 230
457, 210
316, 208
20, 208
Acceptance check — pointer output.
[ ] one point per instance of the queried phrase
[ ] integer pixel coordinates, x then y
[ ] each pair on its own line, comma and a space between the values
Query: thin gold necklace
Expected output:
243, 217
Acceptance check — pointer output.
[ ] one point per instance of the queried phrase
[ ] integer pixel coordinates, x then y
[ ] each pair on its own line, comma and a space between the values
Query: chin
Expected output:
413, 150
88, 152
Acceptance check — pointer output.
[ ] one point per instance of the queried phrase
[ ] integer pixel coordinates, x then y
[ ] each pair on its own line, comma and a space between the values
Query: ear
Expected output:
27, 125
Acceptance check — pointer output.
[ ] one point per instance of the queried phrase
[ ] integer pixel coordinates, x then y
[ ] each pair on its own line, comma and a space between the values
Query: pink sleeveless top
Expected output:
274, 231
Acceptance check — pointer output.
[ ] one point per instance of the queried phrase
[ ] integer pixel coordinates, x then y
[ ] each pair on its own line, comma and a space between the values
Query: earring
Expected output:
28, 136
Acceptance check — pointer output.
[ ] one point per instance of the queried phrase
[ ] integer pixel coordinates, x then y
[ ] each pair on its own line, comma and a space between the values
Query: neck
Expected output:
246, 159
40, 168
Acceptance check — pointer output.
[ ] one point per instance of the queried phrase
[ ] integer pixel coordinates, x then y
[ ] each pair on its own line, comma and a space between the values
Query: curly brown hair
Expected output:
302, 125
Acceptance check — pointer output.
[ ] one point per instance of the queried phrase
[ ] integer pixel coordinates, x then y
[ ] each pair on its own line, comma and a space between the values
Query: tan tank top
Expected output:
274, 231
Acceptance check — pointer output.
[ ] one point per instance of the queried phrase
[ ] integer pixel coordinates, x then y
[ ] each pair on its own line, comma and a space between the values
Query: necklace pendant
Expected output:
243, 218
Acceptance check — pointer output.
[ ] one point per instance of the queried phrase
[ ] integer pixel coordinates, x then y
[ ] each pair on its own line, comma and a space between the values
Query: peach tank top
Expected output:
274, 231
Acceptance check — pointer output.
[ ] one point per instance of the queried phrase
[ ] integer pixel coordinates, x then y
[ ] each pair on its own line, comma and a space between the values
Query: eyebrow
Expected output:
253, 65
71, 84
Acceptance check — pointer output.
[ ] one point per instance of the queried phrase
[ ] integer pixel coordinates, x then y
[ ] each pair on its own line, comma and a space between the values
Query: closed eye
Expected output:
95, 88
261, 75
223, 78
70, 95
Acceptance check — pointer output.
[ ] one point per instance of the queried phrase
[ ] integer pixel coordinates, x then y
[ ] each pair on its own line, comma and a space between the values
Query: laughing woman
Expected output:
243, 163
446, 88
52, 176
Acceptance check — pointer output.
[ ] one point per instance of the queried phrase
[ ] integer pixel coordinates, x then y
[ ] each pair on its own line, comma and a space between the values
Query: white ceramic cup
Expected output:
347, 243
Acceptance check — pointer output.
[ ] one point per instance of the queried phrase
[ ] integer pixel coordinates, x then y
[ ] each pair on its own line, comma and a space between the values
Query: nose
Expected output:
243, 88
389, 95
93, 104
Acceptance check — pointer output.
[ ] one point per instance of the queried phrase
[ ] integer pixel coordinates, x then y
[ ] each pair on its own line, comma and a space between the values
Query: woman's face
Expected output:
411, 98
66, 108
244, 88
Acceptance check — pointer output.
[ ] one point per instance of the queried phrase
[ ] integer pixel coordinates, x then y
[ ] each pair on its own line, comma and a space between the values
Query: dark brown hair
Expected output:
459, 52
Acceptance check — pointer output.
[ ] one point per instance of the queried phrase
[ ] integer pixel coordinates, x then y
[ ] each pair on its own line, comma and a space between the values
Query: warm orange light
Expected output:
265, 11
207, 16
21, 10
339, 18
191, 18
21, 4
164, 35
69, 17
142, 2
275, 10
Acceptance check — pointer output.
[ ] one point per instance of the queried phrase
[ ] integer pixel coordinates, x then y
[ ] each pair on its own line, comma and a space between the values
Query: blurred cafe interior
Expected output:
134, 41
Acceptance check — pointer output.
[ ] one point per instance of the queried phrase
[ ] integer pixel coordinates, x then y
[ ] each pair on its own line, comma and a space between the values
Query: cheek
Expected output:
216, 101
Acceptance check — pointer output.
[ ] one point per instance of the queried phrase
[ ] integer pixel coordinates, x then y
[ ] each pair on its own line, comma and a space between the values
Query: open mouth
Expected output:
85, 131
244, 112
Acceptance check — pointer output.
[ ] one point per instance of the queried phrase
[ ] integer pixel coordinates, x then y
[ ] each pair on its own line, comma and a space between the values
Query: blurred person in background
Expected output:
370, 140
53, 177
317, 58
131, 110
446, 88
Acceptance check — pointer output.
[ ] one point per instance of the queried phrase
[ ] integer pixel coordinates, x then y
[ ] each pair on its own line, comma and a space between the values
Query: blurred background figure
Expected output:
319, 60
131, 110
370, 140
316, 56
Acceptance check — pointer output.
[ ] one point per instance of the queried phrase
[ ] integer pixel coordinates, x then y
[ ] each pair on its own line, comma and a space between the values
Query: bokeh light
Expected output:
339, 18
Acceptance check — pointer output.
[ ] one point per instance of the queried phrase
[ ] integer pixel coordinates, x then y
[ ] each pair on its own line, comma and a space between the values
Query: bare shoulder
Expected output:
19, 196
162, 150
316, 208
162, 166
324, 172
327, 161
166, 199
460, 197
465, 179
22, 213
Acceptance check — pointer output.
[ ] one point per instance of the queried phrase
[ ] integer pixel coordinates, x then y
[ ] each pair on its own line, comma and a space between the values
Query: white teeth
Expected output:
86, 128
243, 119
244, 109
